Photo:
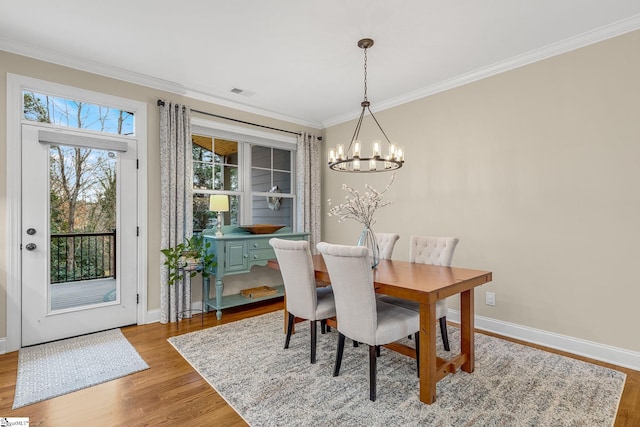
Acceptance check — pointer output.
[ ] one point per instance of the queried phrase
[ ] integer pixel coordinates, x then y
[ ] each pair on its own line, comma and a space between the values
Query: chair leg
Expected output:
417, 338
443, 332
355, 343
289, 329
336, 369
323, 326
373, 360
378, 351
314, 339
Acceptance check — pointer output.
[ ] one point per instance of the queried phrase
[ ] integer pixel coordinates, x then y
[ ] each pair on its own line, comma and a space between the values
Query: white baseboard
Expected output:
153, 316
3, 345
605, 353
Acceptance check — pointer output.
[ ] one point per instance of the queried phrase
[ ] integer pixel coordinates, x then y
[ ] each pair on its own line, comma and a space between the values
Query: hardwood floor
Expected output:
172, 393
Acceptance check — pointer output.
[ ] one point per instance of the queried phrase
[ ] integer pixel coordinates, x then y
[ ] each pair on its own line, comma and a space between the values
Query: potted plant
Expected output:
190, 256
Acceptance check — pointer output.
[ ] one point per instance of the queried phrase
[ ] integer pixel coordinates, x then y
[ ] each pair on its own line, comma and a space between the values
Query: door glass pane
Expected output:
82, 212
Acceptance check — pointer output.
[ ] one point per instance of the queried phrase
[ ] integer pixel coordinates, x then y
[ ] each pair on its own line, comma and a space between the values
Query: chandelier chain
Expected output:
365, 74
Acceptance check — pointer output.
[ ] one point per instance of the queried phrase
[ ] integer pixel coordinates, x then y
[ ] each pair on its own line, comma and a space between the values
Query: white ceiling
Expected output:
299, 57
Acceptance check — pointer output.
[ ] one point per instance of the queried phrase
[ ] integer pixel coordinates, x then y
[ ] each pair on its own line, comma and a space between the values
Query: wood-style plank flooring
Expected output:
172, 393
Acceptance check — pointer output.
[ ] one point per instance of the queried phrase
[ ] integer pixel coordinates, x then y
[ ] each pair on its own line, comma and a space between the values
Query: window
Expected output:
215, 171
271, 186
38, 107
256, 174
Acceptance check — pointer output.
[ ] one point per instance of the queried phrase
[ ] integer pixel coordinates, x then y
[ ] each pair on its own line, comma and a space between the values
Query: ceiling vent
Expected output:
242, 91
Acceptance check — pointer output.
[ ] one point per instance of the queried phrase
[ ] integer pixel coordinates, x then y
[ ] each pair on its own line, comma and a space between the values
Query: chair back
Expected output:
386, 243
351, 277
432, 250
296, 267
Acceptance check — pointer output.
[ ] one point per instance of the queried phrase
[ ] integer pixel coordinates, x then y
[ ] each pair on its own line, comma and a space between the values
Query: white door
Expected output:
81, 278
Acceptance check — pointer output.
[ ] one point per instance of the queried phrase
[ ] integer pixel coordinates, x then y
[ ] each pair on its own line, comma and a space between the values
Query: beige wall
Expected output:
15, 64
536, 170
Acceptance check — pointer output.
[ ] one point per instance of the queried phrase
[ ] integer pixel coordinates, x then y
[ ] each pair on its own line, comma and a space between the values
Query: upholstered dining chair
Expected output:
386, 243
435, 251
361, 317
303, 298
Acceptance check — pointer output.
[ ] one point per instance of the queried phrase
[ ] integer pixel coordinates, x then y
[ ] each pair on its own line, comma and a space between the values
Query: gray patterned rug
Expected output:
60, 367
513, 385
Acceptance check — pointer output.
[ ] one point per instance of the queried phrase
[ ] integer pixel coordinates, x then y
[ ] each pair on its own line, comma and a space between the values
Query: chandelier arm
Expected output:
379, 127
356, 132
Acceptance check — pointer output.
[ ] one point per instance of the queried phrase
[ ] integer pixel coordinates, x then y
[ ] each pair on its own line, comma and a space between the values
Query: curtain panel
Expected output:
176, 166
308, 187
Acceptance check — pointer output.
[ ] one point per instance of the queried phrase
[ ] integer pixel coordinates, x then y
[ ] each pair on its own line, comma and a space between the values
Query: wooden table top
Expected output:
419, 282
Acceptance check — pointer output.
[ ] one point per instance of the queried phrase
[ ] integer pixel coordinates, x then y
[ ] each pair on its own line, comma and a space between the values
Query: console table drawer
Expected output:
261, 254
259, 244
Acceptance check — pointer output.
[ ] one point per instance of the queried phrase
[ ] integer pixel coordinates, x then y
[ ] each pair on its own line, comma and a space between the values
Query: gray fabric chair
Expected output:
303, 298
435, 251
386, 243
361, 317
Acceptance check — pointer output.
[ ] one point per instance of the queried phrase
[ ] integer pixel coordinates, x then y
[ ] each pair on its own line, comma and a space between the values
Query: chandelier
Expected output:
354, 161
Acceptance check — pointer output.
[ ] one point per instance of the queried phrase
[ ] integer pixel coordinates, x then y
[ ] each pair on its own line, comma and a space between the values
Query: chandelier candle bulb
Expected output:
392, 151
376, 148
372, 164
356, 164
332, 155
340, 151
356, 149
400, 154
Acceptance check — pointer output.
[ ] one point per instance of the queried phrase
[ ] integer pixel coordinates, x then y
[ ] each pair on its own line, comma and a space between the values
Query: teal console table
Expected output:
236, 252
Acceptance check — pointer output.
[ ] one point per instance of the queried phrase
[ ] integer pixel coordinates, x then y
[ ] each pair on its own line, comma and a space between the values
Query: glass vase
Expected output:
368, 239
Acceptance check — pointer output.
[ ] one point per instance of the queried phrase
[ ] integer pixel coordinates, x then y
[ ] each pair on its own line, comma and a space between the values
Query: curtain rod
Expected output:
161, 103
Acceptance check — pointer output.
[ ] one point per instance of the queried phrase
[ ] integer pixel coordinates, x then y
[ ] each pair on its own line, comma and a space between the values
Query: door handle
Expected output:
31, 246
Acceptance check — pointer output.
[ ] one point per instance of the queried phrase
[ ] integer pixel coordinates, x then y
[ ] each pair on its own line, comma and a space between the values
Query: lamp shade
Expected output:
219, 203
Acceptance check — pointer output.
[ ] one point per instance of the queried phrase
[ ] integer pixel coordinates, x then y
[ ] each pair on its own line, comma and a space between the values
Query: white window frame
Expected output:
244, 137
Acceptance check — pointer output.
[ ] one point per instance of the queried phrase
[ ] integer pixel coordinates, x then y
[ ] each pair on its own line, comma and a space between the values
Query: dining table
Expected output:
426, 284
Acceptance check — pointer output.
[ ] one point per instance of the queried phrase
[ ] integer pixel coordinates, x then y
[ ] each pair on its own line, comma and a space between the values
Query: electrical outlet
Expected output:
490, 298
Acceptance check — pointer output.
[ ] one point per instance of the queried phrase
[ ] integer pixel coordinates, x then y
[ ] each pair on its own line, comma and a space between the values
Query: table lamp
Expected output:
219, 203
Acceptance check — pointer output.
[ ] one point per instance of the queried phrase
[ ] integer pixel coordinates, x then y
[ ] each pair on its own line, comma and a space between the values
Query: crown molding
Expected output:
117, 73
585, 39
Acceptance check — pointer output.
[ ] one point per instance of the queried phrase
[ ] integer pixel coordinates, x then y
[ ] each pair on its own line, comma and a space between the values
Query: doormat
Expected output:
61, 367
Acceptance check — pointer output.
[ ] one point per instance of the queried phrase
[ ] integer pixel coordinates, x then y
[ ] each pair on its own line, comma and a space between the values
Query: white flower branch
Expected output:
360, 207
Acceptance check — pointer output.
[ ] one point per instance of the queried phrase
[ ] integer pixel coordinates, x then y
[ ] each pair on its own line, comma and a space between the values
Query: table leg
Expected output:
206, 286
467, 344
428, 359
219, 288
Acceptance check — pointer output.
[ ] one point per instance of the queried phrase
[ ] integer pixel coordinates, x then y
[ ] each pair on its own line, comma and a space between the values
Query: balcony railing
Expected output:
83, 256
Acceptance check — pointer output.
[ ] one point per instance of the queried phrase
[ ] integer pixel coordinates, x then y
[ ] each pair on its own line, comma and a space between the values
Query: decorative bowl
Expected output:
262, 228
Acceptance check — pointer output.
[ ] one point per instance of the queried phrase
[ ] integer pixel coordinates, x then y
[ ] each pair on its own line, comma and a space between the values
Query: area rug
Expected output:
512, 385
60, 367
